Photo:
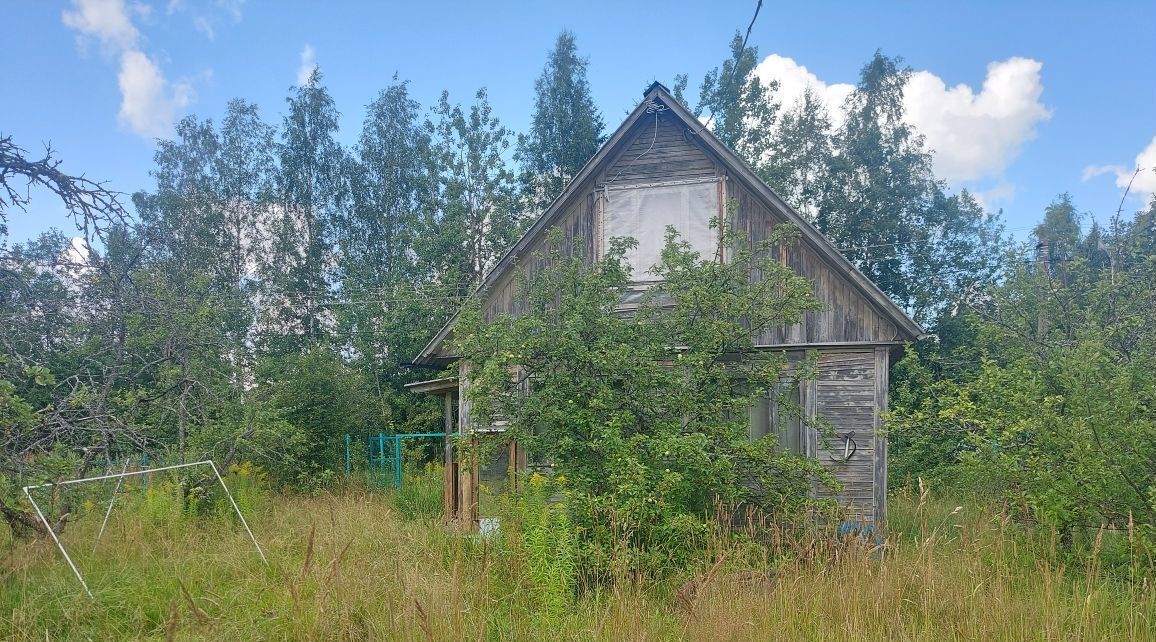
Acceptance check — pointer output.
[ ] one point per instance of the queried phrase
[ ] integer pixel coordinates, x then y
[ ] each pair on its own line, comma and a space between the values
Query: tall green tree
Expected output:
246, 168
391, 303
203, 229
1059, 233
884, 208
475, 219
311, 188
391, 184
183, 216
566, 129
740, 108
800, 152
880, 182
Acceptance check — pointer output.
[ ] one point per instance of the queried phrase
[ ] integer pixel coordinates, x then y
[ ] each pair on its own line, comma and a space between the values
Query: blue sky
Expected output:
1021, 100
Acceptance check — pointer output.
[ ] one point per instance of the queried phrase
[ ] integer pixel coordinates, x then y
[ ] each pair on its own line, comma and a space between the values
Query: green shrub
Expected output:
546, 538
645, 414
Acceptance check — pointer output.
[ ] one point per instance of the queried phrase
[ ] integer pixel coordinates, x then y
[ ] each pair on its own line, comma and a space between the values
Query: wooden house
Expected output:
662, 167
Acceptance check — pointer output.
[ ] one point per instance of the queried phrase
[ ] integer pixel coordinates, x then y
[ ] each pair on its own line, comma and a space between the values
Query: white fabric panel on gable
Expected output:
643, 213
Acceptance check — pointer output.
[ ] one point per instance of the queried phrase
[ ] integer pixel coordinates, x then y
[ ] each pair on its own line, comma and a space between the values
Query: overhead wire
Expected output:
651, 108
926, 241
735, 68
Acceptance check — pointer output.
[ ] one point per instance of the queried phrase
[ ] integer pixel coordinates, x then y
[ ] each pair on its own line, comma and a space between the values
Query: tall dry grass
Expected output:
348, 567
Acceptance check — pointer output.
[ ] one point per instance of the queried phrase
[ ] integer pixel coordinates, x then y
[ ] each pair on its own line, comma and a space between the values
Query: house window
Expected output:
642, 213
779, 413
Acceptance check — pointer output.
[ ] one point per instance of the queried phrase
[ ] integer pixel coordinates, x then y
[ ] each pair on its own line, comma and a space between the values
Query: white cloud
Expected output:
232, 7
1092, 171
1141, 177
205, 16
992, 199
977, 135
77, 253
974, 135
308, 64
205, 26
1145, 182
106, 20
149, 102
142, 10
794, 79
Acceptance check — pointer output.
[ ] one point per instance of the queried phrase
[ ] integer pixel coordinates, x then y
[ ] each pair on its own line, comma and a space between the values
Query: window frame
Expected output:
640, 275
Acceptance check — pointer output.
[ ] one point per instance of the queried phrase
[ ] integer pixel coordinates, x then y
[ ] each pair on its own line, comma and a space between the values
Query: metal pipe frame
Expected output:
119, 476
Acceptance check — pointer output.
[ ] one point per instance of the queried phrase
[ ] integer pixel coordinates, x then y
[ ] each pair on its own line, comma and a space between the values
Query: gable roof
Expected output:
657, 93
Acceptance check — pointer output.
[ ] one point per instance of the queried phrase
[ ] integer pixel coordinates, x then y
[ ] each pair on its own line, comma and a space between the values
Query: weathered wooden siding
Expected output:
845, 396
663, 154
882, 381
673, 154
649, 156
847, 315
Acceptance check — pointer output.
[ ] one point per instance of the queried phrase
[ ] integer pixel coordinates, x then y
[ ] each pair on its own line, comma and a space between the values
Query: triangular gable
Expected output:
690, 152
907, 328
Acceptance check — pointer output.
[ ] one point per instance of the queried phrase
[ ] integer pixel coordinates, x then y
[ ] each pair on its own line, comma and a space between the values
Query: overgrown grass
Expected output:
349, 566
420, 496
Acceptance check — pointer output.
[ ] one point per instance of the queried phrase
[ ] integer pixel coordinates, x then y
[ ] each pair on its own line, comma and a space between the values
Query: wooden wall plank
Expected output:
668, 154
809, 402
882, 381
845, 394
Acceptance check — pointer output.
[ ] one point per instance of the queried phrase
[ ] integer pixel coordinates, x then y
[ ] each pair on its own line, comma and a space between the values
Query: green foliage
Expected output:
323, 398
543, 534
164, 505
188, 498
1054, 413
249, 485
263, 438
1060, 229
1066, 438
311, 188
644, 413
800, 154
421, 493
16, 414
566, 129
920, 447
741, 107
475, 219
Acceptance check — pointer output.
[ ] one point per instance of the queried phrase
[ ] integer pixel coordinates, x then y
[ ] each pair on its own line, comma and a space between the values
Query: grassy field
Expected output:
356, 565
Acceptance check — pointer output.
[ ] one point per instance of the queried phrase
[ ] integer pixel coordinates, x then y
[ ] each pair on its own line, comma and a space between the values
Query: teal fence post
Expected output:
397, 461
381, 453
348, 463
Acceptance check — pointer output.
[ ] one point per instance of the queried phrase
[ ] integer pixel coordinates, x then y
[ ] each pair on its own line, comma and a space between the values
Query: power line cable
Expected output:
735, 69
